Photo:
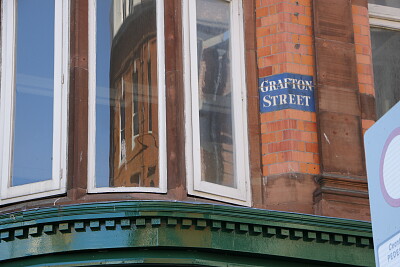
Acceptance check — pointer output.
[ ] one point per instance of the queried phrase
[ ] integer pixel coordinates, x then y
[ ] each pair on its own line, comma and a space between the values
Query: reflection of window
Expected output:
215, 102
124, 3
122, 108
149, 96
33, 98
124, 59
135, 104
385, 39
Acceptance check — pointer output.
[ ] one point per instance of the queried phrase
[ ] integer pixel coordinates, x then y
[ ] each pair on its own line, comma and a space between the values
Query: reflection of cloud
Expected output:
34, 85
34, 91
214, 40
103, 95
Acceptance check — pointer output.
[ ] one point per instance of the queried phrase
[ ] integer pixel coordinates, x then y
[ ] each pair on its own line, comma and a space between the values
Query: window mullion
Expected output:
7, 92
194, 93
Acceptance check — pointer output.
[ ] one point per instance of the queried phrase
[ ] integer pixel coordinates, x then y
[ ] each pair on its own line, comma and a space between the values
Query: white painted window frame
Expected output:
384, 17
57, 185
161, 111
242, 194
134, 114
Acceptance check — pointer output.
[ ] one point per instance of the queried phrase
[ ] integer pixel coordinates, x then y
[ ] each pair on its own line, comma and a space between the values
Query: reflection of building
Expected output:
215, 112
133, 74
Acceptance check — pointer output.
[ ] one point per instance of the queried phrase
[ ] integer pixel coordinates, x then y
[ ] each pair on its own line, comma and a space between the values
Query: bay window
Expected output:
126, 102
33, 103
215, 105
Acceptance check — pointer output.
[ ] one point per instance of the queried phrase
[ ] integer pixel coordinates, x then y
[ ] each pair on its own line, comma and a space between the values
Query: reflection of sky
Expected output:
103, 49
34, 92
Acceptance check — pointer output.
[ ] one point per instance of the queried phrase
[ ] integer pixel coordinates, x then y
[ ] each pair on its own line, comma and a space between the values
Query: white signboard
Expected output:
389, 252
382, 149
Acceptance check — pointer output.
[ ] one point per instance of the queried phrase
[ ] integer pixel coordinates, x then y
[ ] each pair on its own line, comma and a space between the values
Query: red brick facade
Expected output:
304, 161
362, 39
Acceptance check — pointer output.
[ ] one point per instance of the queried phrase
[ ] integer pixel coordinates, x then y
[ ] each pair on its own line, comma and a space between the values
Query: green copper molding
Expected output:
182, 226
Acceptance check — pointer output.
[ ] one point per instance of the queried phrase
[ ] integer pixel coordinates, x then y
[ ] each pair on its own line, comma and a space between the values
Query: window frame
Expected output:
162, 188
242, 194
384, 16
57, 185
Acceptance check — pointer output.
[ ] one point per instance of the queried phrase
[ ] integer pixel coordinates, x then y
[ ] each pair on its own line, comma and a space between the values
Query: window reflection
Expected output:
386, 59
126, 94
34, 83
215, 92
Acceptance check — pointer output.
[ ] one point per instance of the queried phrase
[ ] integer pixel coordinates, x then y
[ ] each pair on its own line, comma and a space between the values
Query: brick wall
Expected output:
313, 162
289, 137
362, 40
285, 44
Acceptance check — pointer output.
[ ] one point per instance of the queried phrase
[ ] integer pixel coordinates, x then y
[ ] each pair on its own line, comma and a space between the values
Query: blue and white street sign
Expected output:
382, 149
286, 91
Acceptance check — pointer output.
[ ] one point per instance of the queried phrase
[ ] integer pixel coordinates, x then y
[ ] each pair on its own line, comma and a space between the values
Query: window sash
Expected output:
241, 194
57, 184
161, 104
384, 16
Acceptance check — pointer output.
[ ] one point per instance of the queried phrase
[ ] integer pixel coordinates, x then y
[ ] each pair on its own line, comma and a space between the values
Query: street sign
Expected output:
286, 91
382, 149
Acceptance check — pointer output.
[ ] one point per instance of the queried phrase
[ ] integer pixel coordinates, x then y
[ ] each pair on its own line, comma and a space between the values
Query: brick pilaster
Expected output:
289, 137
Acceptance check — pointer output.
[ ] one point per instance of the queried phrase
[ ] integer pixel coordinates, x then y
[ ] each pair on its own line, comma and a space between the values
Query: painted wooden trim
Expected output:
384, 12
183, 225
155, 256
384, 16
382, 23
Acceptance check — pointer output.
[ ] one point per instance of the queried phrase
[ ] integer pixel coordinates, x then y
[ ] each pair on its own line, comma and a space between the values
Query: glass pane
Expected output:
126, 94
386, 61
215, 92
33, 132
391, 3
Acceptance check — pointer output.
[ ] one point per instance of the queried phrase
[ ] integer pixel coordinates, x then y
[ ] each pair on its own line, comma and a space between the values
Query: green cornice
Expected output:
180, 225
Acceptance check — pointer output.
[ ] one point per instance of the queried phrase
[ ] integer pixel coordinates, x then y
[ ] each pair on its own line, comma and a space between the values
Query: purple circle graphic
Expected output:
394, 202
